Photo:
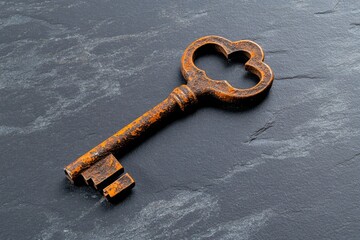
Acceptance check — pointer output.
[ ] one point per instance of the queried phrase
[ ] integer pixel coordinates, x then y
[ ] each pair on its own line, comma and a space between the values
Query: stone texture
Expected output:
74, 72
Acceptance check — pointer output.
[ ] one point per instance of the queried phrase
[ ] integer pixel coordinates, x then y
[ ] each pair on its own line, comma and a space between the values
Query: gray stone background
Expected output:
74, 72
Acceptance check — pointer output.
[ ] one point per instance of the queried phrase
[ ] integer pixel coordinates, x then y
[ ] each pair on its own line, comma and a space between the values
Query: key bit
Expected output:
118, 187
101, 171
98, 165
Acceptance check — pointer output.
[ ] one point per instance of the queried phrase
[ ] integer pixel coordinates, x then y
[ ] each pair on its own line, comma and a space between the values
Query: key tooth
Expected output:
120, 186
102, 171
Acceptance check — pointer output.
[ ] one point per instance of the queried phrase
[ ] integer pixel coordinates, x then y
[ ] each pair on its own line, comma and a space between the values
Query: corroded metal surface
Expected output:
201, 84
102, 170
198, 85
120, 186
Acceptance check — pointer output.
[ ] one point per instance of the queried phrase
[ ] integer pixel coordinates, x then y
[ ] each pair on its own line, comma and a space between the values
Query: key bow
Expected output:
201, 84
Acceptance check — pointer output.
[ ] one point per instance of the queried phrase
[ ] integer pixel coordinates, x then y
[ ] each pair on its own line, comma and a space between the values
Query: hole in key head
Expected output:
210, 59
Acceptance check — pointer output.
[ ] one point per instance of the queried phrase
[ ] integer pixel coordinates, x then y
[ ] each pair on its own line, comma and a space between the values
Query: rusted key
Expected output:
99, 167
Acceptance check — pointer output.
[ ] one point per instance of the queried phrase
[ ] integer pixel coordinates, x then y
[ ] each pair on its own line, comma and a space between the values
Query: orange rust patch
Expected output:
124, 183
102, 170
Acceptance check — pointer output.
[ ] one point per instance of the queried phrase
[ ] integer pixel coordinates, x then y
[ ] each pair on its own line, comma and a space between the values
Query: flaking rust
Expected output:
99, 166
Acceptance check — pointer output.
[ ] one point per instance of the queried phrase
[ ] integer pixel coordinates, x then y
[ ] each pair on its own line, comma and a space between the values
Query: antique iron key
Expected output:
98, 167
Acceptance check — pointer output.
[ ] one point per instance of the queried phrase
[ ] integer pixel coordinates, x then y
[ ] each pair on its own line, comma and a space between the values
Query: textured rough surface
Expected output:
94, 165
72, 73
98, 173
120, 185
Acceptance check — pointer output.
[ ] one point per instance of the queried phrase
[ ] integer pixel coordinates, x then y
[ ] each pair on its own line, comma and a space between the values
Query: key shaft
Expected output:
180, 99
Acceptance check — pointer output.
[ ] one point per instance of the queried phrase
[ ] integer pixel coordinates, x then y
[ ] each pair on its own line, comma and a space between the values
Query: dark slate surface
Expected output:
74, 72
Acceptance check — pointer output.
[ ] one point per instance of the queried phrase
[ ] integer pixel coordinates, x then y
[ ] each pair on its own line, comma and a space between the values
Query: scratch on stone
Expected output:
355, 24
261, 130
299, 76
348, 160
280, 51
330, 10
